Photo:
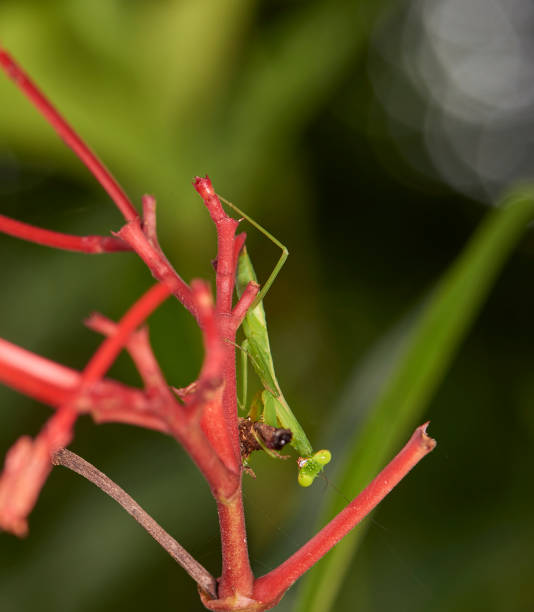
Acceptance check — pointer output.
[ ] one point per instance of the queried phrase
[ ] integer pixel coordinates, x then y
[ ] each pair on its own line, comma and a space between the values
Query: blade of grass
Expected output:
442, 325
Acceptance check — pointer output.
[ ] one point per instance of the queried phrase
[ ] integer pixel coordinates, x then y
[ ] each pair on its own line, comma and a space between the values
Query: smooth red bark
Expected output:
57, 240
132, 233
68, 135
272, 585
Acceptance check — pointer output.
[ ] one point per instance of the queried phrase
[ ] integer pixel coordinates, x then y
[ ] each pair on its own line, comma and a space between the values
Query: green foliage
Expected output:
434, 341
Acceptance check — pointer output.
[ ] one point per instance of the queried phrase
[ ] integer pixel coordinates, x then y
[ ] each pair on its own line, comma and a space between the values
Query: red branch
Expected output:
40, 378
54, 384
244, 303
68, 242
204, 400
133, 234
28, 463
272, 586
225, 277
68, 135
237, 579
138, 346
107, 352
205, 422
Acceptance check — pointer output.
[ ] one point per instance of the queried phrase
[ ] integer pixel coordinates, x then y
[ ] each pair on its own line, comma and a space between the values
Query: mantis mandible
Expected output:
272, 408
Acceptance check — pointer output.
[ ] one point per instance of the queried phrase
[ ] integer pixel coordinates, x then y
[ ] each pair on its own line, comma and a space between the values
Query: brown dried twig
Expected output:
77, 464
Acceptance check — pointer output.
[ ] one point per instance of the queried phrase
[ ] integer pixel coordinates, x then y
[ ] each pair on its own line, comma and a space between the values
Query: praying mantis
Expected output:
271, 407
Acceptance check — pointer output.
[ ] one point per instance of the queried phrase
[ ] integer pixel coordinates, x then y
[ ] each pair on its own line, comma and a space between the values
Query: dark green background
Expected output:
273, 100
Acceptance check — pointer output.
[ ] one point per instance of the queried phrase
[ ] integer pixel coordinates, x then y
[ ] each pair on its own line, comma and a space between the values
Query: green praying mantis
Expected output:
271, 407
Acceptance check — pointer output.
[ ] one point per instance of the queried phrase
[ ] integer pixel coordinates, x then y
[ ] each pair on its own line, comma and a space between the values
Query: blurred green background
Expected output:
326, 122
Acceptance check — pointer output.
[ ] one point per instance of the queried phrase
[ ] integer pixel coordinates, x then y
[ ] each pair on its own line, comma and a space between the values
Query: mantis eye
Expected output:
323, 457
281, 438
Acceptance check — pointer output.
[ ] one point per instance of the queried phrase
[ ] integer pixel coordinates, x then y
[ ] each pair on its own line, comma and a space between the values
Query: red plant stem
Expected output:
237, 577
40, 378
68, 242
226, 228
213, 347
204, 446
225, 277
107, 352
68, 135
157, 263
53, 384
238, 245
149, 219
28, 464
138, 346
272, 585
244, 303
223, 483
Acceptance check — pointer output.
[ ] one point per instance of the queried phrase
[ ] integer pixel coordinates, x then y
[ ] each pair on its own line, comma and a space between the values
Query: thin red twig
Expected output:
40, 378
53, 384
138, 346
226, 228
132, 233
271, 586
244, 303
68, 135
107, 352
58, 240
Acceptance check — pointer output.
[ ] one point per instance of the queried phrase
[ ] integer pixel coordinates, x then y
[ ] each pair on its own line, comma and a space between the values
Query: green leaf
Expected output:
435, 338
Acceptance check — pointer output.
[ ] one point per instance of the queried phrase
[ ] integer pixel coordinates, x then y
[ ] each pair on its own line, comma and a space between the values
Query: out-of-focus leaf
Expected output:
307, 52
436, 337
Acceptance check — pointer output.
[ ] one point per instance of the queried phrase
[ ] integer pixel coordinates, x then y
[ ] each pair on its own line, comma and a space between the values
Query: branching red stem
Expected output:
107, 352
64, 130
53, 384
228, 445
203, 403
138, 346
237, 579
132, 233
205, 423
